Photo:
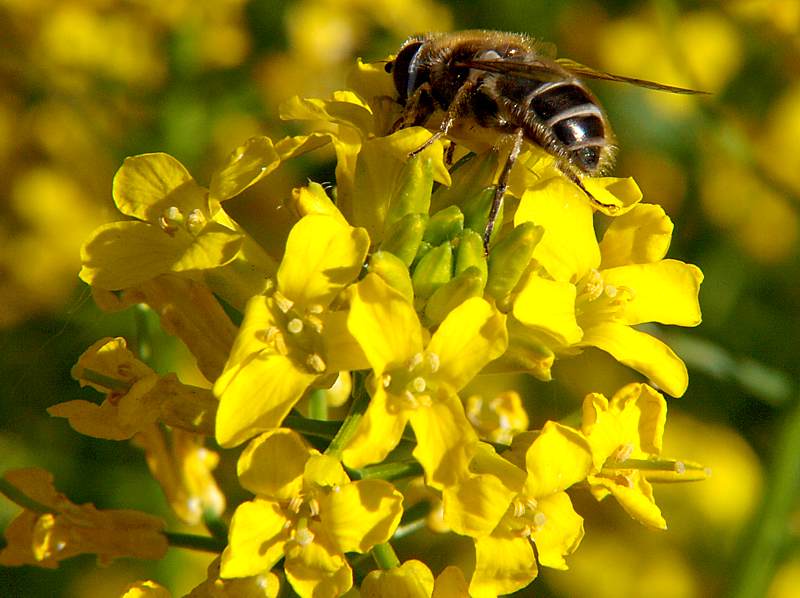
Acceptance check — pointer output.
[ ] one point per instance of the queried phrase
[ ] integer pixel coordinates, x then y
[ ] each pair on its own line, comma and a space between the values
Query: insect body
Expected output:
509, 83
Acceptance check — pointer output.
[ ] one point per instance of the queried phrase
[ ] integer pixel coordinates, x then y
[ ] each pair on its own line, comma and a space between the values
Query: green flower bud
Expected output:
434, 269
472, 173
413, 192
510, 257
476, 212
469, 254
393, 270
444, 226
404, 236
447, 297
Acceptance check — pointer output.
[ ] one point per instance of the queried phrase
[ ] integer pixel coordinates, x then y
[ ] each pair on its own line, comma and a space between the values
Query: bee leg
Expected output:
500, 190
448, 155
455, 110
597, 203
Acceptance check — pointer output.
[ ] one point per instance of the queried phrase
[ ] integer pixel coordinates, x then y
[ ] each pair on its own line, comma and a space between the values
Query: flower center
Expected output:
298, 333
172, 219
600, 302
412, 386
525, 516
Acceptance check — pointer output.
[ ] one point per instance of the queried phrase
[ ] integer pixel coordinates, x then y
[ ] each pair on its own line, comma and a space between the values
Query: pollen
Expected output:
195, 221
539, 520
419, 384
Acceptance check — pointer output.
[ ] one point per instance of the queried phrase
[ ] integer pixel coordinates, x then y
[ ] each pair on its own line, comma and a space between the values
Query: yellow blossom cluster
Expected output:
384, 282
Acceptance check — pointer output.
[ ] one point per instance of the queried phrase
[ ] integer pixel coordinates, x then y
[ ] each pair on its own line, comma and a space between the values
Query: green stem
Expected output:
215, 526
312, 427
318, 405
105, 381
350, 425
771, 530
388, 471
16, 495
204, 543
385, 556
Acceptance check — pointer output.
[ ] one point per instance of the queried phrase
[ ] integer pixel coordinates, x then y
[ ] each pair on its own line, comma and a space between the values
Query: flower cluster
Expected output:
385, 285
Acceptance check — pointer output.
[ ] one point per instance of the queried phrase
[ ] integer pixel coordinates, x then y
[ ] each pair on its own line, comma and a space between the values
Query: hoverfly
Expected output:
512, 84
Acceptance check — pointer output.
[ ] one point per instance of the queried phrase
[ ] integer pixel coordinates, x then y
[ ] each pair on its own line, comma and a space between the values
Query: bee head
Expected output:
404, 69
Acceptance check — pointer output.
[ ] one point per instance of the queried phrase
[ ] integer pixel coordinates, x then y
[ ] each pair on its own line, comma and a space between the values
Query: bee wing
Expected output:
581, 70
535, 70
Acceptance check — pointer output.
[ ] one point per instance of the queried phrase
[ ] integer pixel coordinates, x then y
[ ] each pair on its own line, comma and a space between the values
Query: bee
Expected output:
516, 86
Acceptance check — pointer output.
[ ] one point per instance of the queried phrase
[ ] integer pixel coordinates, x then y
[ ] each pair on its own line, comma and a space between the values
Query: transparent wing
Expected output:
554, 70
581, 70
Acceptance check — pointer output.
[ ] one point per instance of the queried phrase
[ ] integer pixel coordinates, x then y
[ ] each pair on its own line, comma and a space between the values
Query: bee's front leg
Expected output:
456, 109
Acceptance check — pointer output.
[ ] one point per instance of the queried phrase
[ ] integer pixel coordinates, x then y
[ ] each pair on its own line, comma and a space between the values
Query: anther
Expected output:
316, 363
418, 384
282, 301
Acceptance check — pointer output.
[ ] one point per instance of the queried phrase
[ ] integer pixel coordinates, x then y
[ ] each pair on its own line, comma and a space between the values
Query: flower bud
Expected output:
444, 226
404, 236
433, 270
510, 257
447, 297
392, 269
413, 192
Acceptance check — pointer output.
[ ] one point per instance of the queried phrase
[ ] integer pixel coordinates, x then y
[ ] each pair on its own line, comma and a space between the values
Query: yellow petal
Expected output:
246, 165
315, 570
325, 471
412, 579
120, 255
504, 563
549, 305
636, 497
557, 459
569, 247
347, 109
450, 583
342, 351
272, 465
617, 195
665, 292
641, 236
474, 506
361, 514
256, 395
642, 352
256, 539
472, 335
445, 441
322, 257
378, 433
146, 185
384, 323
561, 532
313, 199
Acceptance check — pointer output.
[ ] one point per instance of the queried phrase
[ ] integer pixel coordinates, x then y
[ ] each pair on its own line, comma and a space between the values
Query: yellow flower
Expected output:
540, 512
263, 585
498, 419
66, 529
413, 579
414, 381
293, 337
307, 512
625, 435
179, 226
593, 294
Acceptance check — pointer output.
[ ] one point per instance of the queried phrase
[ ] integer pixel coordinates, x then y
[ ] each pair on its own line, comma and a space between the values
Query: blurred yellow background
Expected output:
84, 83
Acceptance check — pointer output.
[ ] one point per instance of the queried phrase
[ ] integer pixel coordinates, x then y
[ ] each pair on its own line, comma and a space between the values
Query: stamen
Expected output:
418, 384
304, 536
316, 363
434, 362
195, 220
282, 301
295, 503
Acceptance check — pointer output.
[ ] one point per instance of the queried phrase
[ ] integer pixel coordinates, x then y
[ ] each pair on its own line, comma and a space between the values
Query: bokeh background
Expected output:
84, 83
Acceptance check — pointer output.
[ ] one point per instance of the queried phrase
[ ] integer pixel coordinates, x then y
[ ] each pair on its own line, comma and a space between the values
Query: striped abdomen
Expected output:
571, 113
